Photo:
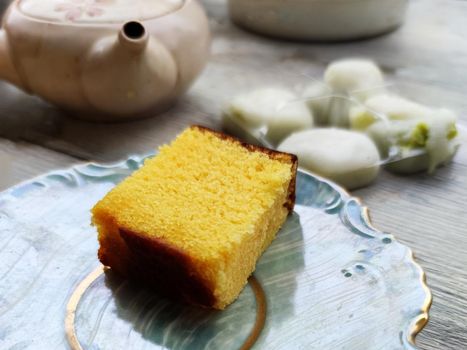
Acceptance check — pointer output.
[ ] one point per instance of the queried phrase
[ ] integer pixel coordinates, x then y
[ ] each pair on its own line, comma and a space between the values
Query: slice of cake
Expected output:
193, 221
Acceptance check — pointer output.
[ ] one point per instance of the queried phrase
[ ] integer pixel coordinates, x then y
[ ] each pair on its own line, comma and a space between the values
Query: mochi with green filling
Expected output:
395, 121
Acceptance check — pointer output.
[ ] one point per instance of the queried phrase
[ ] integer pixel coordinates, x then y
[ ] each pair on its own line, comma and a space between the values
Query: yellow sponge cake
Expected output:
193, 221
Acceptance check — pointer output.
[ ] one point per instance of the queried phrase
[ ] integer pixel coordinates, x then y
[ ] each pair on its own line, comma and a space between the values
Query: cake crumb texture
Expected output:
193, 221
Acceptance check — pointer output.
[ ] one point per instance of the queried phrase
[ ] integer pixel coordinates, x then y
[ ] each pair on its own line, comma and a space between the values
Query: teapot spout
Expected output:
8, 71
133, 36
131, 73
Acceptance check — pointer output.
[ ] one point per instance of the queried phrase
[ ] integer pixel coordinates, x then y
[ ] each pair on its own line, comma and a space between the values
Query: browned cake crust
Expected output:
166, 268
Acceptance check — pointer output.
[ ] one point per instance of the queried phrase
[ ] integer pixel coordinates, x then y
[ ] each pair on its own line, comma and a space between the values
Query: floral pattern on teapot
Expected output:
75, 9
97, 11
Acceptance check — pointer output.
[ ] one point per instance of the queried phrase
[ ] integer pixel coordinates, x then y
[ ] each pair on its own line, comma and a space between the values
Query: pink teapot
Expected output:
104, 60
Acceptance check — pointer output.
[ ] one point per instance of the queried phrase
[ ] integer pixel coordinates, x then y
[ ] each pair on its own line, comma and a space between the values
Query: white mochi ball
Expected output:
386, 107
360, 77
275, 109
347, 157
345, 83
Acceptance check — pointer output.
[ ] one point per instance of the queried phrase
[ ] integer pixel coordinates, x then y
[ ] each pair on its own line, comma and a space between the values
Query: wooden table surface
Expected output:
426, 59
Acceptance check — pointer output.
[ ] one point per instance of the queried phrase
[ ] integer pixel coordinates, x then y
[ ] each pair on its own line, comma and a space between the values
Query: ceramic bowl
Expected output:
323, 20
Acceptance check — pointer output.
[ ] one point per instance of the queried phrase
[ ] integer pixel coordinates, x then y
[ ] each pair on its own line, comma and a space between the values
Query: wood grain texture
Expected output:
21, 161
426, 59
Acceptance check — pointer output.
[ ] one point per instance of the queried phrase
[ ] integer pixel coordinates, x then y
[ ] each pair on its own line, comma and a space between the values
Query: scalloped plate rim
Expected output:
415, 326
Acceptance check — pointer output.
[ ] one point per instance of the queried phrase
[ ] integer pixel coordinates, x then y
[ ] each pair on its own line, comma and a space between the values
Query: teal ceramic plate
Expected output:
329, 281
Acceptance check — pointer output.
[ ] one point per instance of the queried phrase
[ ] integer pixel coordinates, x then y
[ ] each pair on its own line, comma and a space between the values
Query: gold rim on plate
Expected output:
78, 293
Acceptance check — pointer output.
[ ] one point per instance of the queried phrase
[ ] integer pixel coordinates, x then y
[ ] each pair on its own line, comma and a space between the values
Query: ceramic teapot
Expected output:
104, 60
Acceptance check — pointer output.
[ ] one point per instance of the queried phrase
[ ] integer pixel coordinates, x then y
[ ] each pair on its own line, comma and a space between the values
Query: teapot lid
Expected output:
97, 11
